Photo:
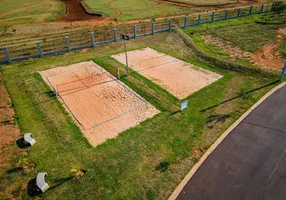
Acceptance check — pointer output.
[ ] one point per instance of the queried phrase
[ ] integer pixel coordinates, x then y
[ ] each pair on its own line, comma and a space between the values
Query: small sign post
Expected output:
184, 105
283, 73
125, 37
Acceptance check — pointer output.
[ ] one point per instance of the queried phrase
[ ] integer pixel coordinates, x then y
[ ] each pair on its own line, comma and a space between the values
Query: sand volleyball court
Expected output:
100, 104
178, 77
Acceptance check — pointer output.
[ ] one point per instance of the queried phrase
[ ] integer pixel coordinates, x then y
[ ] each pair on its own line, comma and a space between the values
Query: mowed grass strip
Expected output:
136, 9
145, 162
208, 2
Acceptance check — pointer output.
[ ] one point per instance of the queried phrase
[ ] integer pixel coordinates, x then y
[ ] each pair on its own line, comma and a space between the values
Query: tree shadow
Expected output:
22, 144
241, 95
216, 118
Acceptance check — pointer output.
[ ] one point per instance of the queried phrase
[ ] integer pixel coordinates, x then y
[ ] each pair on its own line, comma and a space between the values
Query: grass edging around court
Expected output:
194, 169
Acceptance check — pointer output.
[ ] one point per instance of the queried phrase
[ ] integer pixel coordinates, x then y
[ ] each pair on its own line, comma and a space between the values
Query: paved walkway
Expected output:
251, 162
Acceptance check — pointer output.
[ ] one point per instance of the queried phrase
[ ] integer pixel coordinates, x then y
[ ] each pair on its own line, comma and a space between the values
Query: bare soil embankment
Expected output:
76, 12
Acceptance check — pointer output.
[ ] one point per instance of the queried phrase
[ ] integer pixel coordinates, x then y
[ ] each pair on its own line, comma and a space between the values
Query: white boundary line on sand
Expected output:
188, 177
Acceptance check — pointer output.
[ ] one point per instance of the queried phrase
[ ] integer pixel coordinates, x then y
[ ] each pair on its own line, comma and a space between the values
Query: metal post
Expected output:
213, 16
226, 14
68, 43
250, 10
283, 73
127, 67
238, 12
135, 31
170, 24
199, 19
92, 39
153, 28
39, 49
186, 22
114, 35
7, 54
262, 8
118, 73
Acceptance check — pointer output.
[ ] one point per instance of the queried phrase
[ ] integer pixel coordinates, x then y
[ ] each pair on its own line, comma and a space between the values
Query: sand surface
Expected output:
100, 104
176, 76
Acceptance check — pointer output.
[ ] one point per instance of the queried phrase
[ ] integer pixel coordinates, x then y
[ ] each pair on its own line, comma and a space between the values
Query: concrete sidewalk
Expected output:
250, 163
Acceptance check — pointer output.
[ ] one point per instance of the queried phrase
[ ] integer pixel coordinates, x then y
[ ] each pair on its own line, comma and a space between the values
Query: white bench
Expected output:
28, 138
40, 181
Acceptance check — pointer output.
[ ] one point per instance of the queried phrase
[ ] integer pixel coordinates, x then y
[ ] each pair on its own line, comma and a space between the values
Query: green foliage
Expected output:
135, 9
278, 6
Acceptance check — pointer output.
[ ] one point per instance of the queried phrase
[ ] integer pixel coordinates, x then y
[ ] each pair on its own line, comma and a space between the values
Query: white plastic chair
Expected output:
40, 181
28, 138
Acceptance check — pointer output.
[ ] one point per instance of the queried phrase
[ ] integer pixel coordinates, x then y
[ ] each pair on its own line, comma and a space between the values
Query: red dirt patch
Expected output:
268, 57
9, 133
76, 12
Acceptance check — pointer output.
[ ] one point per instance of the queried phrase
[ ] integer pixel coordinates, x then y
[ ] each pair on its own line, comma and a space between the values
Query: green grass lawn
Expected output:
208, 2
137, 9
30, 10
249, 34
145, 162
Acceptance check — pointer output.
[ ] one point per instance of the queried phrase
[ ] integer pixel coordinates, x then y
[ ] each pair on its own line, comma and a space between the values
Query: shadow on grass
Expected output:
22, 144
14, 170
216, 118
162, 166
60, 181
6, 122
176, 112
32, 188
241, 95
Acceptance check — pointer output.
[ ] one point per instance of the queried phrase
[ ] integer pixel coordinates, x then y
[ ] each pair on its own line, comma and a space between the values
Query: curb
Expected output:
188, 177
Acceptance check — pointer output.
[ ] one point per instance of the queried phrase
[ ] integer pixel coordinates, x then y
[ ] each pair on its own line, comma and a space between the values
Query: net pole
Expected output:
56, 91
126, 57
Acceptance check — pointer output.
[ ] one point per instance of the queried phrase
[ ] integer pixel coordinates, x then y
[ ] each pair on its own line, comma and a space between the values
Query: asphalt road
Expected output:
251, 162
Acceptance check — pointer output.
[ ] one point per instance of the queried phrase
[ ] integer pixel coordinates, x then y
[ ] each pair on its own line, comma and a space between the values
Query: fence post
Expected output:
68, 43
283, 73
92, 39
153, 28
226, 14
135, 31
262, 8
213, 16
186, 22
7, 54
199, 19
114, 35
238, 12
39, 48
170, 24
250, 10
